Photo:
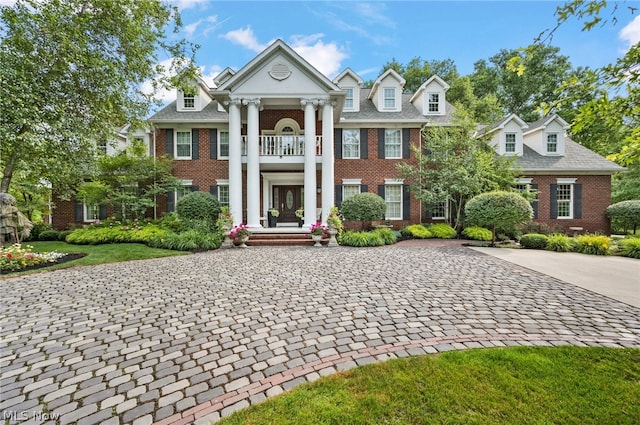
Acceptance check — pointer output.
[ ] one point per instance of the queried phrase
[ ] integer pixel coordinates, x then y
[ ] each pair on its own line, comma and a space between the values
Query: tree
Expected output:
417, 71
71, 72
455, 166
499, 210
363, 207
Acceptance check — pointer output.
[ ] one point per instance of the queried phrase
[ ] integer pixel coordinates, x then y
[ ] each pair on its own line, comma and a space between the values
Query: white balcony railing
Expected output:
282, 145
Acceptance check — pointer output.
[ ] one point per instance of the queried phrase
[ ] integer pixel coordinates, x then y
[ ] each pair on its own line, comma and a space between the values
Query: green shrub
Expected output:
49, 235
593, 244
416, 231
534, 241
625, 214
442, 231
500, 211
630, 247
360, 239
387, 235
126, 233
477, 233
365, 206
560, 243
198, 206
38, 228
540, 228
62, 235
190, 240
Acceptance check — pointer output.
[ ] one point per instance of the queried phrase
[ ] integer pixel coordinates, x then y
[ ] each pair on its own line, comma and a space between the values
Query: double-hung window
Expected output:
510, 143
348, 190
392, 143
393, 198
434, 102
188, 101
564, 199
351, 143
389, 98
223, 148
439, 210
348, 100
183, 144
552, 143
223, 194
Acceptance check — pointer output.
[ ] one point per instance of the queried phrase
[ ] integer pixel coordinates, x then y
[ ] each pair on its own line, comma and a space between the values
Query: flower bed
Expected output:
19, 257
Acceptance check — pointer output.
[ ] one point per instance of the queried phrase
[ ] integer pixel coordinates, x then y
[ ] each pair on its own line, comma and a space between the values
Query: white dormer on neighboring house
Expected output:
386, 92
507, 135
430, 99
350, 83
547, 136
196, 100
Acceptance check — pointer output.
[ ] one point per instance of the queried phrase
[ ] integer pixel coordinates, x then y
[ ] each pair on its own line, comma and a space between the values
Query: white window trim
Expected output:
525, 181
429, 111
546, 144
395, 183
343, 144
446, 212
353, 99
183, 183
384, 98
571, 182
175, 144
515, 144
86, 215
187, 96
385, 143
219, 183
220, 144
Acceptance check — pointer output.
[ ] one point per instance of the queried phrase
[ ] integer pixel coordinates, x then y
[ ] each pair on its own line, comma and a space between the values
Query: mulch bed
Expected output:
66, 258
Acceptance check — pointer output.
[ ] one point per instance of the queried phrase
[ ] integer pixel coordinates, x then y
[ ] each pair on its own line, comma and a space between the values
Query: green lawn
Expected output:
98, 254
522, 385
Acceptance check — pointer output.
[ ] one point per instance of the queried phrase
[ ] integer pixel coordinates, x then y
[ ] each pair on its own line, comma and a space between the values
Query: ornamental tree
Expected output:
363, 207
498, 210
625, 214
71, 72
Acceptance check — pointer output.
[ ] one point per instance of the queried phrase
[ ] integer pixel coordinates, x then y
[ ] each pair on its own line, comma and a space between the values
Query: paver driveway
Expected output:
189, 339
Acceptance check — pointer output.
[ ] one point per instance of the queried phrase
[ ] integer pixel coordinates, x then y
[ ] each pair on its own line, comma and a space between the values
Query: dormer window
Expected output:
389, 98
434, 102
552, 143
348, 101
189, 101
510, 143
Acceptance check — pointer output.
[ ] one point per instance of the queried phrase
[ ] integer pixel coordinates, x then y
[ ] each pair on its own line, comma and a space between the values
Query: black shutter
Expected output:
213, 190
381, 191
381, 152
171, 201
169, 141
195, 188
102, 214
364, 143
195, 144
406, 143
577, 201
534, 204
364, 188
554, 201
337, 140
79, 211
406, 202
213, 144
338, 195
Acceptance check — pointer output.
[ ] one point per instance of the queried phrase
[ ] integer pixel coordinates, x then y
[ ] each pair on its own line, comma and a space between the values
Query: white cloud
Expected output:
325, 57
191, 28
631, 32
245, 38
188, 4
9, 3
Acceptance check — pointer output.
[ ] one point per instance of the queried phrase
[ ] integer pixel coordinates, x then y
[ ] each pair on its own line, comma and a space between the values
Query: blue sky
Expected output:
365, 35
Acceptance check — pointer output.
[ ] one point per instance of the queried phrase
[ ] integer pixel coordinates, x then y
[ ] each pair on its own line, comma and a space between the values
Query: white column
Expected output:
235, 161
309, 161
328, 186
253, 163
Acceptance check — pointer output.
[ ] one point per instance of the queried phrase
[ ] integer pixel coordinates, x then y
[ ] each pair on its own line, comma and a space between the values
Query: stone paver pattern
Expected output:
193, 338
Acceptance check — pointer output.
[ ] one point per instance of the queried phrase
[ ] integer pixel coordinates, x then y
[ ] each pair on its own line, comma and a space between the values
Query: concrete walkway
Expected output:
615, 277
189, 339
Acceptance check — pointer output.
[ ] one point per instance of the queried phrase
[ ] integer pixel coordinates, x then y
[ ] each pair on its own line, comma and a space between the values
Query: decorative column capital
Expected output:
254, 101
233, 101
309, 101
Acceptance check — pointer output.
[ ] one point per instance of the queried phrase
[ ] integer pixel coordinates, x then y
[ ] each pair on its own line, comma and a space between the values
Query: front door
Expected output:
287, 199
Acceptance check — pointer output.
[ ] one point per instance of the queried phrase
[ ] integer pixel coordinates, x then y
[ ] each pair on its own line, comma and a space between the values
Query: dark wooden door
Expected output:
289, 199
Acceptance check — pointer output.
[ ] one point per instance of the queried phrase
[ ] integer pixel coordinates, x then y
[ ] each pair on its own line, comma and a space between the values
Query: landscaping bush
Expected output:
593, 244
416, 231
387, 235
198, 206
365, 206
477, 233
38, 228
560, 243
131, 233
190, 240
625, 215
49, 235
540, 228
62, 235
360, 239
630, 247
534, 241
442, 231
499, 211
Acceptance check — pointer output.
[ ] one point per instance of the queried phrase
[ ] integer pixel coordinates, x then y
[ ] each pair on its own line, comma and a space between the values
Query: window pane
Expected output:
393, 198
563, 197
392, 144
434, 102
510, 143
351, 143
389, 98
224, 143
223, 195
183, 144
552, 143
439, 210
348, 101
349, 190
189, 101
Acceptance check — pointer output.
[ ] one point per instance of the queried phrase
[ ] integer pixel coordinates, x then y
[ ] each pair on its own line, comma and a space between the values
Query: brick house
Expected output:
279, 134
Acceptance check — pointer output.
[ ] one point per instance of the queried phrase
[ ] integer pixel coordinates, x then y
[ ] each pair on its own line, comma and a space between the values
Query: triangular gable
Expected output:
501, 124
432, 79
348, 73
543, 123
389, 72
278, 62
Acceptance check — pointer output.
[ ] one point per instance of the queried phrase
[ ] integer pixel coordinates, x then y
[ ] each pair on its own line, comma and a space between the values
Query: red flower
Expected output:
9, 255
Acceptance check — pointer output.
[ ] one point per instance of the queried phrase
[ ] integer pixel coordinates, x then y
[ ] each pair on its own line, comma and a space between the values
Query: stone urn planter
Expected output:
317, 239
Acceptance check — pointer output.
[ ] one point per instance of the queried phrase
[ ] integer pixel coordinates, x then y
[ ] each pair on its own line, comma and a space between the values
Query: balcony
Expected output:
280, 146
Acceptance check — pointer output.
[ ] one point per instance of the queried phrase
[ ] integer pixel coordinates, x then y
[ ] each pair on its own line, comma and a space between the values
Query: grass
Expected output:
97, 254
521, 385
